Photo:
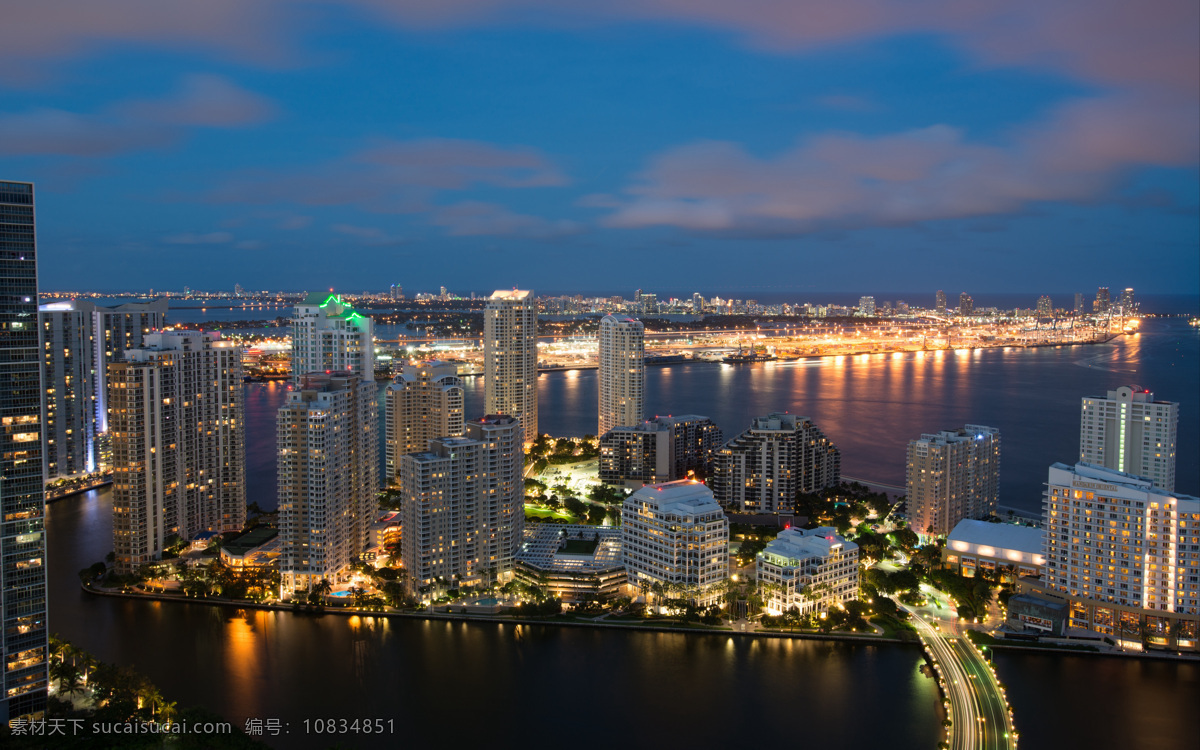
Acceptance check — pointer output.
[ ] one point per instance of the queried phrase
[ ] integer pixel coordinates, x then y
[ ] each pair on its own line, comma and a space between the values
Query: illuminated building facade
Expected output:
1129, 431
1124, 553
622, 373
328, 477
79, 341
423, 402
330, 336
663, 449
572, 562
510, 357
1010, 550
463, 506
812, 569
23, 638
676, 534
762, 470
178, 441
950, 476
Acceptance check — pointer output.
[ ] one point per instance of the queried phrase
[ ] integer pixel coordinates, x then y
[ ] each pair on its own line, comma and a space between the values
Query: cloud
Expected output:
369, 235
841, 180
204, 101
471, 218
1111, 42
396, 176
201, 101
191, 238
248, 245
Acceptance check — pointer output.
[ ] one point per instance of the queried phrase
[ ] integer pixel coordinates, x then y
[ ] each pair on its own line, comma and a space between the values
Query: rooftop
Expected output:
255, 537
798, 544
515, 294
562, 547
1004, 536
685, 497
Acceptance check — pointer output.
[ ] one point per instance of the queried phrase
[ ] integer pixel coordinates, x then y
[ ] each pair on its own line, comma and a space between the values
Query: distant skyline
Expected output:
997, 147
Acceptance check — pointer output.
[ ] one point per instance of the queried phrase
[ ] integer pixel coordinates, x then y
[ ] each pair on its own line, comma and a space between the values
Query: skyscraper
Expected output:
966, 305
659, 450
1045, 307
1129, 431
951, 476
80, 339
622, 372
463, 506
328, 477
1102, 302
762, 470
179, 443
941, 302
23, 638
1126, 302
423, 402
866, 307
510, 357
1079, 303
330, 336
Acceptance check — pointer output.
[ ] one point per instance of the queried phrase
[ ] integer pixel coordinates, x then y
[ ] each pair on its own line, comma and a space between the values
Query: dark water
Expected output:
872, 405
1102, 702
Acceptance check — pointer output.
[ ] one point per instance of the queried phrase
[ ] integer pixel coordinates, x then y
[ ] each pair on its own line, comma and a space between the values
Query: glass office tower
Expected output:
23, 635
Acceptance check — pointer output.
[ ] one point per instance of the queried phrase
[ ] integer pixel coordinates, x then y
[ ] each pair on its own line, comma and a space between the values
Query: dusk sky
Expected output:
806, 145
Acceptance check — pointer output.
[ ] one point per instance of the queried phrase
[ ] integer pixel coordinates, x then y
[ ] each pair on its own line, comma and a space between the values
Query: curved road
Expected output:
979, 712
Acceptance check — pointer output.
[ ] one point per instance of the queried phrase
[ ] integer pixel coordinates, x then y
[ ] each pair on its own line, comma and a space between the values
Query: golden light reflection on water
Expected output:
241, 658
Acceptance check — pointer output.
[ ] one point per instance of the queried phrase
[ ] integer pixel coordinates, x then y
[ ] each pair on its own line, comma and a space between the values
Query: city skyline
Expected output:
794, 137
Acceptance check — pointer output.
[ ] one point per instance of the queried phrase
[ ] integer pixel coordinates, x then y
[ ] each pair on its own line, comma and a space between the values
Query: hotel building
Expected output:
23, 637
178, 437
510, 357
812, 569
1131, 432
328, 477
663, 449
676, 534
463, 509
1124, 554
425, 401
762, 470
330, 336
622, 372
951, 476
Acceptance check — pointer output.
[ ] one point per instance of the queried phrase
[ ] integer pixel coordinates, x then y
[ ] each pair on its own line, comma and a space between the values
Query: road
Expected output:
979, 712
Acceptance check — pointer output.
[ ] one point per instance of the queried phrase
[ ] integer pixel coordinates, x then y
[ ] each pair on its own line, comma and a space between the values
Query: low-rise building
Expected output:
810, 569
574, 563
676, 534
257, 548
1012, 550
385, 530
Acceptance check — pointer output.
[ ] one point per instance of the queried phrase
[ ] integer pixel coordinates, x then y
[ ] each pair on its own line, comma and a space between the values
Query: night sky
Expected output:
994, 145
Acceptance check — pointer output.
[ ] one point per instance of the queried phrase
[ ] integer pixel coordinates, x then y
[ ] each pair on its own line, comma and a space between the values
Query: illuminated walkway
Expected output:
979, 712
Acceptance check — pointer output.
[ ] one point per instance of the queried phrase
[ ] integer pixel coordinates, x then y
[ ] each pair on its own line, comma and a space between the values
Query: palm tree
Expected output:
323, 587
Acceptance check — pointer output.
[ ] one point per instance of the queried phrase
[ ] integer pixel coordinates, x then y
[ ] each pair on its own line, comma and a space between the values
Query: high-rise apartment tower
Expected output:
510, 357
1129, 431
622, 372
423, 402
179, 443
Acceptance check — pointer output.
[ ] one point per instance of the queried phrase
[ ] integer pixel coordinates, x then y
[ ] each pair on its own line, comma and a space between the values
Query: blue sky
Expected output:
806, 144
